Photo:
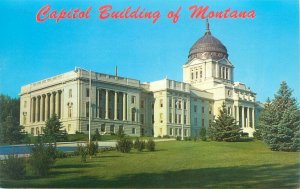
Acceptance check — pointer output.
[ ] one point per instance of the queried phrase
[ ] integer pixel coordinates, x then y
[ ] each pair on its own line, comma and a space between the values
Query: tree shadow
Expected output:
251, 176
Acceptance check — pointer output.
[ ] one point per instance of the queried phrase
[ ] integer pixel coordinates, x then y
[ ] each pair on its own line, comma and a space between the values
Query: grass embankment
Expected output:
177, 164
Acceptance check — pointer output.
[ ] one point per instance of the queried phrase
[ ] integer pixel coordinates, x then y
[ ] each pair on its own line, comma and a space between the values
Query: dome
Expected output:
208, 47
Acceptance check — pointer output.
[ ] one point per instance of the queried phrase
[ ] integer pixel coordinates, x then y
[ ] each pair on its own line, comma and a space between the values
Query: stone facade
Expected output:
164, 107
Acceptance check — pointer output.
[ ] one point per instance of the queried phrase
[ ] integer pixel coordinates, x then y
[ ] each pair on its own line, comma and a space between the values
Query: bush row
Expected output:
125, 145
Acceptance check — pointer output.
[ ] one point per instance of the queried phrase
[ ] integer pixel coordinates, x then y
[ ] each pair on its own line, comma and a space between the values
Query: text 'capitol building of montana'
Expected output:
158, 108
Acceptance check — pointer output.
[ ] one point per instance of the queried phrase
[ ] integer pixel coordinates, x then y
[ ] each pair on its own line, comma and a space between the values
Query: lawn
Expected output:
176, 164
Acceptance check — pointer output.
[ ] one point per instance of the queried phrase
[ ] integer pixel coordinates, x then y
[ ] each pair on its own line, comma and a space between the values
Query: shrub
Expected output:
124, 145
97, 135
178, 138
13, 167
139, 145
92, 148
158, 136
203, 134
60, 154
42, 158
82, 151
166, 136
150, 145
257, 134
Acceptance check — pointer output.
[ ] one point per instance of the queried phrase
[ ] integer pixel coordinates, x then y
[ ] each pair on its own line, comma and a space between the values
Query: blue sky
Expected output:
264, 50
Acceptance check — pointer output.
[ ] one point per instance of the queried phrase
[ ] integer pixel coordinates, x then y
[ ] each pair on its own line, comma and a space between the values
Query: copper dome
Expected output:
208, 47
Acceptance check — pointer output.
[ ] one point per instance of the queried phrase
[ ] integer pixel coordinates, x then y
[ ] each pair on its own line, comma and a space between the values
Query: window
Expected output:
179, 104
179, 131
175, 118
87, 109
132, 99
121, 128
152, 118
203, 109
170, 103
70, 93
184, 105
102, 128
196, 75
142, 104
184, 119
70, 111
179, 118
170, 117
161, 103
200, 73
161, 118
133, 114
223, 72
226, 76
37, 131
87, 92
25, 104
142, 131
142, 118
176, 131
171, 131
195, 108
112, 129
24, 119
133, 130
185, 132
87, 127
195, 120
32, 131
210, 108
192, 75
203, 123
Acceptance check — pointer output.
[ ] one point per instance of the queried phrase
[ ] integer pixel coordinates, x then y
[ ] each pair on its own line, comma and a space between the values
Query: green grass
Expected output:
177, 164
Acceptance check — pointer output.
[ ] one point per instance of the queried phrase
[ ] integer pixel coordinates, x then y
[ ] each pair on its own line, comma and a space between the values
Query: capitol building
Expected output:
157, 108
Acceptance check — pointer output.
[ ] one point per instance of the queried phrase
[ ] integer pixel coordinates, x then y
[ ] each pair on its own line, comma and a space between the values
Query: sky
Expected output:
263, 50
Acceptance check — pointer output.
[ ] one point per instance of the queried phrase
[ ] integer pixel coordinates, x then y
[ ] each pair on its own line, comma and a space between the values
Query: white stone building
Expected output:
164, 107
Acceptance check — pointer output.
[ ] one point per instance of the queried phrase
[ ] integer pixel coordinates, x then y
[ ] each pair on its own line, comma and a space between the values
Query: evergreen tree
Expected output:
280, 121
53, 130
224, 128
11, 131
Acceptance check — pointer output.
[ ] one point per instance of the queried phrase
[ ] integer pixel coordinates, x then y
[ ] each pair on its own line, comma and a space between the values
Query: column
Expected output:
248, 117
41, 108
106, 104
229, 74
238, 114
217, 70
243, 117
59, 105
51, 105
36, 109
97, 101
253, 118
124, 106
116, 106
188, 112
56, 103
46, 107
173, 110
31, 110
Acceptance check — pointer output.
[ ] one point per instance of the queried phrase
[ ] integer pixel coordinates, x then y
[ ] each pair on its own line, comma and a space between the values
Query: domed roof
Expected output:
208, 47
